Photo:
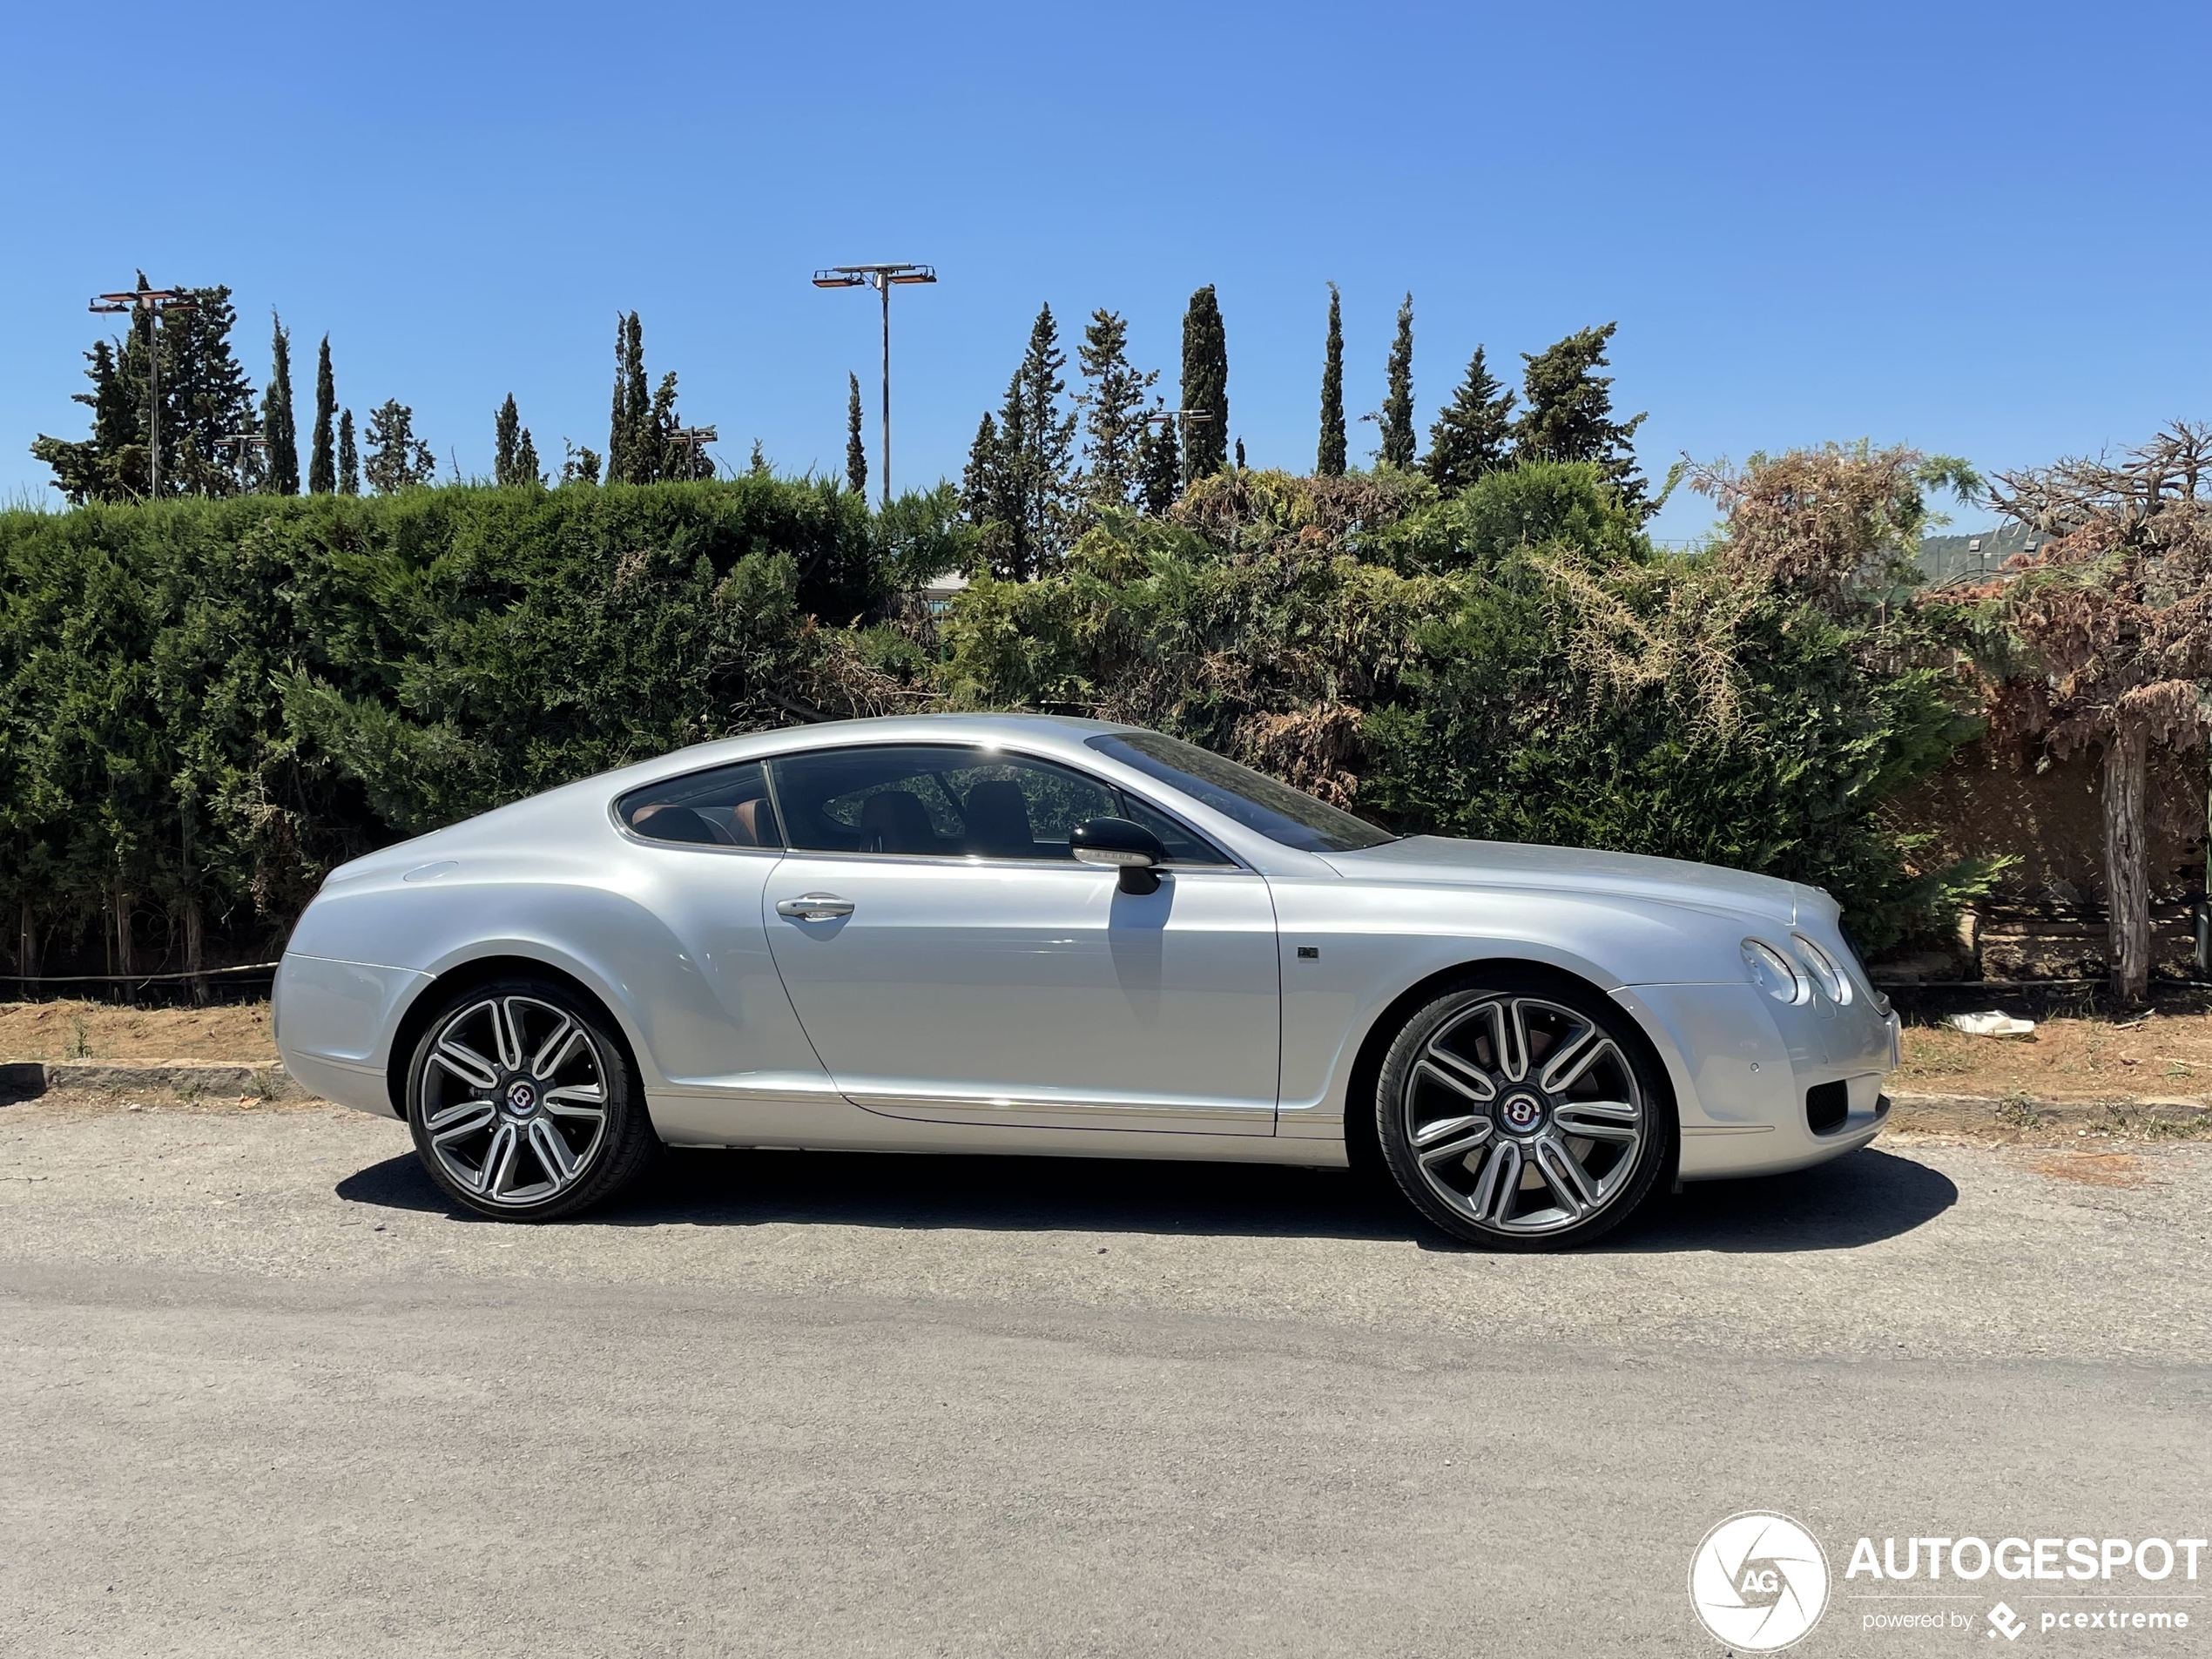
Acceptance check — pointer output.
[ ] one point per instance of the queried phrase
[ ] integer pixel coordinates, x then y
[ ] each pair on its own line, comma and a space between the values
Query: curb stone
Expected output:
26, 1080
1991, 1103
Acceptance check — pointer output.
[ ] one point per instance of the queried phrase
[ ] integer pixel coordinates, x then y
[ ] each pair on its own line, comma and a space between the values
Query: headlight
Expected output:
1771, 973
1831, 978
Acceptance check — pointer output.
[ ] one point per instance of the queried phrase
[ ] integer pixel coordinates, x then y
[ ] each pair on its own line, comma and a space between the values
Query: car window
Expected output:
1183, 846
947, 801
1254, 800
727, 806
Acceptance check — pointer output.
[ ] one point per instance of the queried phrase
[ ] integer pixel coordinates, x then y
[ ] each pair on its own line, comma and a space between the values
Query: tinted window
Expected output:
952, 802
1183, 846
728, 807
1254, 800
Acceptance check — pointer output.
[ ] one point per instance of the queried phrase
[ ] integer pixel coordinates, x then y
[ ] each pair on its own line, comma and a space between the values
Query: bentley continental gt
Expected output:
1028, 934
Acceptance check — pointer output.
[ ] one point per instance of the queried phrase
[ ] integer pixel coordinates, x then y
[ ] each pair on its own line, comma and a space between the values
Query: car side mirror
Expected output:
1118, 843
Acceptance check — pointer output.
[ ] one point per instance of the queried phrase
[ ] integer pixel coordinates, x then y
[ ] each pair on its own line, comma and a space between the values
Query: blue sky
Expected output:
1978, 229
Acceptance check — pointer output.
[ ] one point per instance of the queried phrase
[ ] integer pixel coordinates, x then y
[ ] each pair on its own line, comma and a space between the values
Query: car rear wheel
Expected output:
521, 1102
1523, 1116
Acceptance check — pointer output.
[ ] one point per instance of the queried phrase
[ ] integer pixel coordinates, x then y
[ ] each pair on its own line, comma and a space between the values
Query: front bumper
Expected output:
1744, 1068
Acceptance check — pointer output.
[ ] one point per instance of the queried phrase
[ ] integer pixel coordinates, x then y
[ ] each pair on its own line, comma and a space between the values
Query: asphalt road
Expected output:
263, 1394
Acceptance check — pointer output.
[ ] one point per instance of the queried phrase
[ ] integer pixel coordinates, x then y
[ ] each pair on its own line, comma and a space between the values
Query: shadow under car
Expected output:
1859, 1199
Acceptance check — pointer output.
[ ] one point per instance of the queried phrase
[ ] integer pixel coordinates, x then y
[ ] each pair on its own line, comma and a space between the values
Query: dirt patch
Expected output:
2019, 1121
103, 1031
104, 1103
2094, 1169
2161, 1055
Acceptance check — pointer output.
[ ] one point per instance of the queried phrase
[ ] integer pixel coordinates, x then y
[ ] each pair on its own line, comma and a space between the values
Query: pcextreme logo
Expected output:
1759, 1582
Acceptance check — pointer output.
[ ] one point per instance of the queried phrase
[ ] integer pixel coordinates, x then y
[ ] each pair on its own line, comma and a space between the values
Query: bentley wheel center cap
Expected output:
522, 1097
1520, 1113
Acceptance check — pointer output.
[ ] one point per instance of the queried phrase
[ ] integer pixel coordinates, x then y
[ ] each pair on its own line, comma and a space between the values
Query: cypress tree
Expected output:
1240, 454
282, 456
1113, 409
856, 450
1205, 383
507, 430
322, 469
657, 443
1569, 416
1398, 400
641, 445
1474, 433
1329, 462
349, 460
618, 416
526, 464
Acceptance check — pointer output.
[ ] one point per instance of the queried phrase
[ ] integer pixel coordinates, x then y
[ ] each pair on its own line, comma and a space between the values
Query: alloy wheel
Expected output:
514, 1100
1523, 1116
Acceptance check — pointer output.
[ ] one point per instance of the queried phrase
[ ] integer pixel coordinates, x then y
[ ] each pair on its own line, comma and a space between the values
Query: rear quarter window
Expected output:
725, 806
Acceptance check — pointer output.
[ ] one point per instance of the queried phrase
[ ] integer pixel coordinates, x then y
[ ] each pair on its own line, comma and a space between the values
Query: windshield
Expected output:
1254, 800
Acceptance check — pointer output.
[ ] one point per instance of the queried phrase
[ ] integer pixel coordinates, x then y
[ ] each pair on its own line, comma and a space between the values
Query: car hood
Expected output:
1437, 861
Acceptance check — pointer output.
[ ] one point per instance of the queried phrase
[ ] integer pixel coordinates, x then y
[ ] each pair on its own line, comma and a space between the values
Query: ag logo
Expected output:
1759, 1581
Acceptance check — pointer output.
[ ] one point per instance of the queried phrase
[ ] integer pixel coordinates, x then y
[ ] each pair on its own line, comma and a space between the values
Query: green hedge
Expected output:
208, 704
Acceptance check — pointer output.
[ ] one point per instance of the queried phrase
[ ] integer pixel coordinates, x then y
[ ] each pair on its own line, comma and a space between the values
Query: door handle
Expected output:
814, 906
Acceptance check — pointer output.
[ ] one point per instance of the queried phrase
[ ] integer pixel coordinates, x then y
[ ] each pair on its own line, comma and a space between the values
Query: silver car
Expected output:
1017, 933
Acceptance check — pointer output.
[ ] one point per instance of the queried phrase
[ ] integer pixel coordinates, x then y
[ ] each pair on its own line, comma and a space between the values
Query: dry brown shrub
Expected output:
1315, 749
1638, 629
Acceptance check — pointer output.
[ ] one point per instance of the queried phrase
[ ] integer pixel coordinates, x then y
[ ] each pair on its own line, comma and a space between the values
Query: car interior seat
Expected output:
896, 821
668, 822
754, 823
998, 820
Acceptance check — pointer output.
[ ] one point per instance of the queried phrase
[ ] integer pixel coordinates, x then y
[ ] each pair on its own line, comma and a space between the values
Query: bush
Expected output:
1514, 663
210, 703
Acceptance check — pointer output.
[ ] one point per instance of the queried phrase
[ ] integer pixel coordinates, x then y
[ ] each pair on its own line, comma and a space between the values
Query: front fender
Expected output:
1372, 944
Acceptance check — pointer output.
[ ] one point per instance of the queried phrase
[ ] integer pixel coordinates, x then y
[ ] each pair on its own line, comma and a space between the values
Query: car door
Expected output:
951, 960
707, 992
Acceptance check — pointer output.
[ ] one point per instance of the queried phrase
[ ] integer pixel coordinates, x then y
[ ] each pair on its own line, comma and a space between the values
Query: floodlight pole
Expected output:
155, 303
884, 288
1181, 420
879, 277
241, 445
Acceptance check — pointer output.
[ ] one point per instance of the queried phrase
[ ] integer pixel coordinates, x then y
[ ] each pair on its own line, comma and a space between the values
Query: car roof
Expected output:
1046, 732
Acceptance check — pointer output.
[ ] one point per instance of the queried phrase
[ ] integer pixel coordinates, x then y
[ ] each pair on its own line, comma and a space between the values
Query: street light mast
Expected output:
880, 278
155, 303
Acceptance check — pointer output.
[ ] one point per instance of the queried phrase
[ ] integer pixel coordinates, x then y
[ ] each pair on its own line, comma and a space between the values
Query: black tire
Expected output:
483, 1099
1494, 1171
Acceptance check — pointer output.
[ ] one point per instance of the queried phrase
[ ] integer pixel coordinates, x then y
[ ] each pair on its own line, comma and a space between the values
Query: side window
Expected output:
942, 801
889, 799
1182, 845
1017, 808
728, 807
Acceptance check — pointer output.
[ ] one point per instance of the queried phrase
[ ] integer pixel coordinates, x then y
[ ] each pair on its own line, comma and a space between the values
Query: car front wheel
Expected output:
521, 1102
1523, 1116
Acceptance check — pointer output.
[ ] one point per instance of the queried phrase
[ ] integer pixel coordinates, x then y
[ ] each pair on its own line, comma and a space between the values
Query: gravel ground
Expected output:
266, 1394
